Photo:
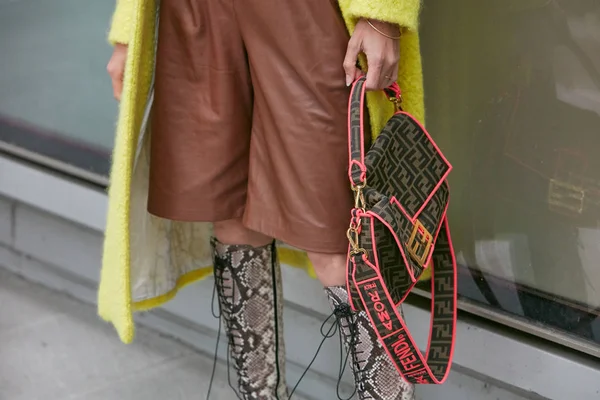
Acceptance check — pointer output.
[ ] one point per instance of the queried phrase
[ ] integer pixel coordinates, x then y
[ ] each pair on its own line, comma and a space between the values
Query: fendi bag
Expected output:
398, 229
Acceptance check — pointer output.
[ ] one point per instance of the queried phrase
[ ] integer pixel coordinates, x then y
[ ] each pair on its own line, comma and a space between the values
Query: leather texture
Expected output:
246, 124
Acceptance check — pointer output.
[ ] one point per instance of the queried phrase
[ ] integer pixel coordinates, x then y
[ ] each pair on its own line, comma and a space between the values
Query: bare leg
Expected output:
232, 231
330, 268
370, 363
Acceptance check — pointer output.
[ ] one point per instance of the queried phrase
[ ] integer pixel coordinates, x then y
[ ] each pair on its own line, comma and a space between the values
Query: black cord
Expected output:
216, 356
275, 316
339, 312
219, 285
326, 336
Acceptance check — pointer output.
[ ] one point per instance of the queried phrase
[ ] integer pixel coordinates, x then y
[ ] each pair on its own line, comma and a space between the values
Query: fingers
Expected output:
390, 77
116, 75
116, 69
354, 48
383, 70
374, 73
117, 85
382, 52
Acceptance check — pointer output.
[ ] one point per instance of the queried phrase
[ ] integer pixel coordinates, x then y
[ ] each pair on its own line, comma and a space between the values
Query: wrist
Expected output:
387, 29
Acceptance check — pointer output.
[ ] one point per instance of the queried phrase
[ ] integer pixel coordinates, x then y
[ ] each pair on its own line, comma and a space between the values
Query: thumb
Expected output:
354, 47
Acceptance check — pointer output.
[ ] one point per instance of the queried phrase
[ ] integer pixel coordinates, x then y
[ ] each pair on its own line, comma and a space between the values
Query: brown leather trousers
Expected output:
250, 118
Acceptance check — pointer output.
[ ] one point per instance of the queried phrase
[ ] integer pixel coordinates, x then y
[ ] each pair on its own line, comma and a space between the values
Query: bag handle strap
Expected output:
365, 276
356, 131
390, 326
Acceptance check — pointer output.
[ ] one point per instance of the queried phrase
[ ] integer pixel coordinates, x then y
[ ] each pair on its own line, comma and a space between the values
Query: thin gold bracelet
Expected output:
382, 33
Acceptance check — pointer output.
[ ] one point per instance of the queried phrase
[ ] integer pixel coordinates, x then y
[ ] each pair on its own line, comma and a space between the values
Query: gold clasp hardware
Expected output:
359, 196
352, 234
397, 102
353, 231
420, 243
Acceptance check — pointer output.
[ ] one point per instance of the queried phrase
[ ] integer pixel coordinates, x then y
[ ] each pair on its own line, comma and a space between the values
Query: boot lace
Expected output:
344, 313
343, 318
220, 287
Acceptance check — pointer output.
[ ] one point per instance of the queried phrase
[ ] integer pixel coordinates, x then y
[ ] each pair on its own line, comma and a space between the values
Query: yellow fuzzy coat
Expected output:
147, 259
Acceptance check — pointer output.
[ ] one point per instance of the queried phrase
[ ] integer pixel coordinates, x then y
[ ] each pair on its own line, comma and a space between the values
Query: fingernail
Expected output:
348, 80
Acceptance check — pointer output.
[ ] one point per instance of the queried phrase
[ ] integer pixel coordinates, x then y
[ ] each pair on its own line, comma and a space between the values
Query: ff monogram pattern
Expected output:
248, 282
402, 227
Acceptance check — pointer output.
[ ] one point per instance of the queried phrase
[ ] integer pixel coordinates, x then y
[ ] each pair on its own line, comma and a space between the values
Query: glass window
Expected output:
513, 98
55, 95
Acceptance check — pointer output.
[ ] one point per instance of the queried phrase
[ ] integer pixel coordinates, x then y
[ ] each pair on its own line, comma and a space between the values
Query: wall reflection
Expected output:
55, 95
513, 98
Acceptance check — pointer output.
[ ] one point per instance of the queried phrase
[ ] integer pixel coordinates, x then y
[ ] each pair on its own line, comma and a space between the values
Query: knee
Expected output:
233, 231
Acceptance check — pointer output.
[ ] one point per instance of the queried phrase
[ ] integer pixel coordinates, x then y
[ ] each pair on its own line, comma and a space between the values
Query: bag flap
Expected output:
405, 165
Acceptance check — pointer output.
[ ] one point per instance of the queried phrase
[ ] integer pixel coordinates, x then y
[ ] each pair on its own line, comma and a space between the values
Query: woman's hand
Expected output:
382, 54
116, 68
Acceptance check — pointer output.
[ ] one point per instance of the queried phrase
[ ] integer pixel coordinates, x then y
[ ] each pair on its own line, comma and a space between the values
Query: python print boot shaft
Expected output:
375, 376
248, 282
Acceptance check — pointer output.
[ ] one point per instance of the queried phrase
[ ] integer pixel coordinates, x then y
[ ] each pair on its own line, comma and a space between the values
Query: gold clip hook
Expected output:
352, 234
359, 200
397, 102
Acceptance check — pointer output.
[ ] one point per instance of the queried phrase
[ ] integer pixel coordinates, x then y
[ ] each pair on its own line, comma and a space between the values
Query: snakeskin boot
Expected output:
248, 283
375, 376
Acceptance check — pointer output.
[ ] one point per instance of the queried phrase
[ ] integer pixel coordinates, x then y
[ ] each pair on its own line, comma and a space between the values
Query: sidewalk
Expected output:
55, 348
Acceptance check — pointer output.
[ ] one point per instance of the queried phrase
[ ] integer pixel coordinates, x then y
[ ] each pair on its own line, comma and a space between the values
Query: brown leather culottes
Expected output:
250, 118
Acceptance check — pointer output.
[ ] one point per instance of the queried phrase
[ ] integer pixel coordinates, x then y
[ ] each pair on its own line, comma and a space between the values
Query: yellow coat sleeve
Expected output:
122, 22
402, 12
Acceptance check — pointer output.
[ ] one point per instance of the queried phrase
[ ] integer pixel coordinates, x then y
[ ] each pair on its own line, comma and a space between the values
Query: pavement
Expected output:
53, 347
